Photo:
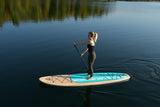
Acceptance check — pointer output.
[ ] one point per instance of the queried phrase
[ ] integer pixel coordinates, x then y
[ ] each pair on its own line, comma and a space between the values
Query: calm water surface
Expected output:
36, 39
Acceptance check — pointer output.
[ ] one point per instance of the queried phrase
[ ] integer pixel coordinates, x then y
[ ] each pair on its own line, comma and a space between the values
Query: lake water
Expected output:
36, 39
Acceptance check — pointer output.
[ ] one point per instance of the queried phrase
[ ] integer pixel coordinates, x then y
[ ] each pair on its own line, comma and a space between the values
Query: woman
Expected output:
92, 36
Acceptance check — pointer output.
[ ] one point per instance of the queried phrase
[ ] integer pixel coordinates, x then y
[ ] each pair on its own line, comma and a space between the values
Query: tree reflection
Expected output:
18, 11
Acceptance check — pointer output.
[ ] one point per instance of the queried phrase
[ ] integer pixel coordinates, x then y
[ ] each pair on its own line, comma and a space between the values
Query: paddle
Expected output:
81, 57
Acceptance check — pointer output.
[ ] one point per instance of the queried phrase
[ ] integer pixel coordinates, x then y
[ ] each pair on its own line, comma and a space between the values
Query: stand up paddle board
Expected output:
81, 80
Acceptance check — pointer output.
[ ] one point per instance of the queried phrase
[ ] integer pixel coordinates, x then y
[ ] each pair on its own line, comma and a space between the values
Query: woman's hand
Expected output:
82, 54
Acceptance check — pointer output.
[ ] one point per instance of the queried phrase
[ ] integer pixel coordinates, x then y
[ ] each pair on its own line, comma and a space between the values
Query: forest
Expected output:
17, 11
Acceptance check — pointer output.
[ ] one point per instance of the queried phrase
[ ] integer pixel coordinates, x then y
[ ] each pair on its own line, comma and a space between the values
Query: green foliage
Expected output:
18, 11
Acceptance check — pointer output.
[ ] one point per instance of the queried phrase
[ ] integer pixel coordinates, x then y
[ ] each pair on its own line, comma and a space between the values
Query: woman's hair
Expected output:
94, 35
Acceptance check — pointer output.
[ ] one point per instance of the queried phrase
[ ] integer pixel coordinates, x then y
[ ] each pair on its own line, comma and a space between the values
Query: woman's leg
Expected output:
91, 60
91, 68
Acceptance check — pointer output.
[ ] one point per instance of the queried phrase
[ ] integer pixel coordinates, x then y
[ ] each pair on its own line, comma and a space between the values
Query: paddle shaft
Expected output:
81, 57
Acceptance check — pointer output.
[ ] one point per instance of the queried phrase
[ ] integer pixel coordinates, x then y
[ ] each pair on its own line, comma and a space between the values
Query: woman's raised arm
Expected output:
83, 43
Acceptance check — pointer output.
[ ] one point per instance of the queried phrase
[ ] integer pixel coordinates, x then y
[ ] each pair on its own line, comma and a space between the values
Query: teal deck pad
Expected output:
97, 77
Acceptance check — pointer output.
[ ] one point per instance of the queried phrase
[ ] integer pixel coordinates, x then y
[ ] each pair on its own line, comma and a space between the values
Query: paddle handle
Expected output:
81, 57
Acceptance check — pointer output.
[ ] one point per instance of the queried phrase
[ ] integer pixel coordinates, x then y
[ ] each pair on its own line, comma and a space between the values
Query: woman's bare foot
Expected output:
87, 75
89, 78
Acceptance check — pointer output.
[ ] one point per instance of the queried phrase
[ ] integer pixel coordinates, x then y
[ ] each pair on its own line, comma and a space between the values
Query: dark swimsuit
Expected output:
91, 58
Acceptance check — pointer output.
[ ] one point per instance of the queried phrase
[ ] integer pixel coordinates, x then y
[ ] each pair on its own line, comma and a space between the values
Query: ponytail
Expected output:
95, 36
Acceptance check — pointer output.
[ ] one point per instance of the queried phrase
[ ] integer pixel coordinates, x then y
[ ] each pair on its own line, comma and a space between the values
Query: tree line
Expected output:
17, 11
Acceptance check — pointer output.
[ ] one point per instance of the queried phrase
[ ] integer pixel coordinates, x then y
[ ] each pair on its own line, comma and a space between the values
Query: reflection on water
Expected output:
128, 42
87, 97
18, 11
